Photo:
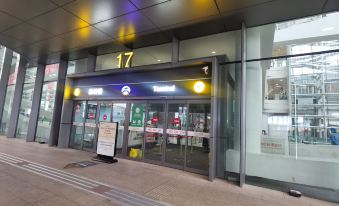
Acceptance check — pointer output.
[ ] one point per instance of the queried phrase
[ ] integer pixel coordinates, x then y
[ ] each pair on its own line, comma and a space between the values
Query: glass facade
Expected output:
2, 57
47, 103
292, 102
26, 103
77, 66
9, 93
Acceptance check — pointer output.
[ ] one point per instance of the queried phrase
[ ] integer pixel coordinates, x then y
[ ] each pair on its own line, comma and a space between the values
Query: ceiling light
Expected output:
159, 60
281, 80
327, 29
276, 84
213, 52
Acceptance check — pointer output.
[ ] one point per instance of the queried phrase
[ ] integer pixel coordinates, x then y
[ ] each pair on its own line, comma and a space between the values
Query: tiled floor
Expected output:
175, 187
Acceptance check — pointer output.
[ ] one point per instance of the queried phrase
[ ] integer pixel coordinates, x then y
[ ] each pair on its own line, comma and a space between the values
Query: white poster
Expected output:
106, 138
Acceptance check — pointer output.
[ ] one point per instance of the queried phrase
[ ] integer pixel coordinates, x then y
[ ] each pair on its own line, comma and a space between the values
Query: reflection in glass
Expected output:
78, 124
30, 75
7, 109
105, 112
119, 116
46, 111
2, 57
77, 66
51, 72
25, 110
136, 131
154, 132
198, 136
176, 133
90, 133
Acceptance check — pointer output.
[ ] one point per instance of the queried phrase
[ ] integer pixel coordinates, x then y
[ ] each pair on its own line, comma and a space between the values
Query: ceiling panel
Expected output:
129, 24
27, 33
83, 36
29, 51
100, 10
10, 42
62, 2
26, 9
275, 11
58, 21
52, 45
230, 5
146, 3
7, 21
178, 11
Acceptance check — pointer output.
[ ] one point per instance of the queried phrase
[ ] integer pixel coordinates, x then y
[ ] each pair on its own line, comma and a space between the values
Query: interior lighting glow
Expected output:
199, 86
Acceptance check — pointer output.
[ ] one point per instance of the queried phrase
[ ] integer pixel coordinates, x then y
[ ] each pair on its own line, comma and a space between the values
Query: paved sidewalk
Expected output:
163, 184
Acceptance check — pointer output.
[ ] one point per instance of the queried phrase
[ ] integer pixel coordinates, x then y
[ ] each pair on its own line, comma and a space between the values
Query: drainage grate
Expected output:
161, 192
80, 164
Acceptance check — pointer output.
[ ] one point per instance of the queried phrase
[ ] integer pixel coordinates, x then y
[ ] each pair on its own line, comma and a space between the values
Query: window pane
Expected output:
51, 72
7, 109
228, 43
292, 119
14, 69
30, 75
152, 55
77, 66
2, 57
306, 35
46, 111
25, 110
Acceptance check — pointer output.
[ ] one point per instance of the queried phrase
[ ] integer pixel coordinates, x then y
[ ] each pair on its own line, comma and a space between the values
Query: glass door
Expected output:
176, 135
135, 141
78, 124
155, 123
119, 115
90, 133
198, 134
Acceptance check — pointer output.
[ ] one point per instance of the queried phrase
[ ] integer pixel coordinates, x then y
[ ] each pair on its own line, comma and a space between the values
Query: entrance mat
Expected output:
80, 164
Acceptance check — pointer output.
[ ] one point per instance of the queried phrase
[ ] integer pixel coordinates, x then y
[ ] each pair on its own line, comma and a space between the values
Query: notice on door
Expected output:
107, 138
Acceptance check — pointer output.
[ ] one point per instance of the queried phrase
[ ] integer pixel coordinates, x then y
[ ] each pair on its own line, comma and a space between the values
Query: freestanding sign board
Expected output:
107, 141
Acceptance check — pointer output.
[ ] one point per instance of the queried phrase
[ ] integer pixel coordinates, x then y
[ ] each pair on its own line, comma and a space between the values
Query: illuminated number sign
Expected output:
124, 59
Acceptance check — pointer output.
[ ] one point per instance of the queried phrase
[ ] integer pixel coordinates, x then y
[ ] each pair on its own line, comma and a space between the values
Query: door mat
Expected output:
80, 164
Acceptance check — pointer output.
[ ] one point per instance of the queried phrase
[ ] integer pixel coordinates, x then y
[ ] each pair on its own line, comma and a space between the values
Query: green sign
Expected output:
137, 115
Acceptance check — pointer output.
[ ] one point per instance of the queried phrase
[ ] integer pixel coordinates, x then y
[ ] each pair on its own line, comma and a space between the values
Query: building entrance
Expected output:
169, 133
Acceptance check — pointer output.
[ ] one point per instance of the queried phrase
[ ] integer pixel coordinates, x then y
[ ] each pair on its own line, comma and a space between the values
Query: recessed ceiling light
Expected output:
159, 60
213, 52
327, 29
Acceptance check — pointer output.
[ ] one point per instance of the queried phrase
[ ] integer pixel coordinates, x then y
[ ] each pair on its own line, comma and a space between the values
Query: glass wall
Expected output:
9, 93
227, 43
26, 102
292, 103
2, 57
77, 66
47, 103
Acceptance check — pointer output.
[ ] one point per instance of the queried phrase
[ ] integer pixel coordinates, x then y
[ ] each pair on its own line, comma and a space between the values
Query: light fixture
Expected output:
327, 29
76, 92
159, 60
276, 84
199, 86
281, 80
213, 52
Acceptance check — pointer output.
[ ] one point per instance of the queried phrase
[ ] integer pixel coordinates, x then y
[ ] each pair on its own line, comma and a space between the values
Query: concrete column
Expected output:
6, 67
33, 119
59, 97
66, 117
20, 79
